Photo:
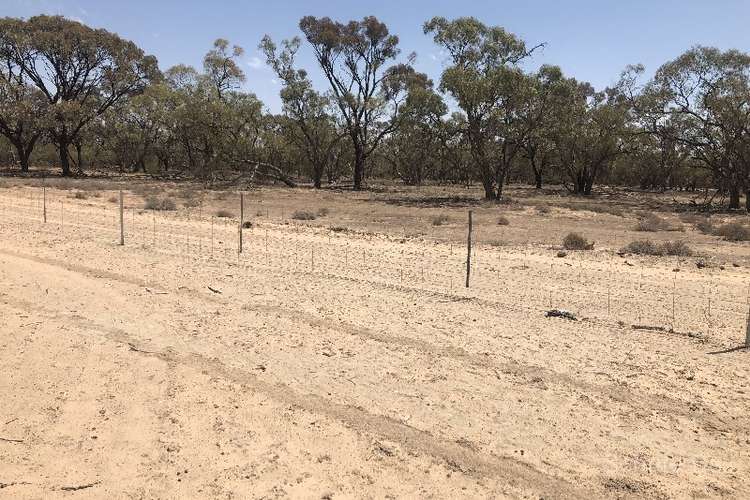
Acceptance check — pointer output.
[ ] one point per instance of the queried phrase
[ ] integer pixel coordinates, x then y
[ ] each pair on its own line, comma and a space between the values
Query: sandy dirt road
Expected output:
124, 375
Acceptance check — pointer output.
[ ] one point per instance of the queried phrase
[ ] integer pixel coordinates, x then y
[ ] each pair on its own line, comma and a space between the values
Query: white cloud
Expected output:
255, 63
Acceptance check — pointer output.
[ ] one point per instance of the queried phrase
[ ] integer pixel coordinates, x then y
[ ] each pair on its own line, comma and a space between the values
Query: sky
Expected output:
591, 40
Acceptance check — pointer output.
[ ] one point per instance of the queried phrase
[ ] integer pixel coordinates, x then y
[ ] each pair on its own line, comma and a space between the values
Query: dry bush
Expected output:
648, 247
503, 221
156, 203
594, 207
496, 243
304, 215
339, 229
705, 226
691, 218
676, 248
145, 190
247, 224
79, 195
574, 241
224, 214
543, 209
439, 220
190, 203
322, 212
734, 231
113, 199
653, 223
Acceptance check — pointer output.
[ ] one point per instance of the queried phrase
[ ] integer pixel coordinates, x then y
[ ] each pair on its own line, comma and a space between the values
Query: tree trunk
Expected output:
359, 166
538, 179
734, 198
489, 188
23, 156
318, 176
79, 156
64, 159
747, 200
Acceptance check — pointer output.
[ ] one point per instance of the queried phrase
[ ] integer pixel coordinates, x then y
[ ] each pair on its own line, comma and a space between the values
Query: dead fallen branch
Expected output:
79, 487
8, 440
214, 290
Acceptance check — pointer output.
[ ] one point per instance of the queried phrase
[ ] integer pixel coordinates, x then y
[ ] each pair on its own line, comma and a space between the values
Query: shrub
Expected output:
224, 214
652, 223
80, 195
691, 218
439, 220
543, 209
503, 221
648, 247
734, 231
641, 247
304, 215
676, 248
322, 212
156, 203
113, 199
247, 224
705, 226
574, 241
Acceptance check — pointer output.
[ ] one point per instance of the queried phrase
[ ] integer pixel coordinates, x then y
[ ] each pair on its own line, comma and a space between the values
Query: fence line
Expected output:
587, 288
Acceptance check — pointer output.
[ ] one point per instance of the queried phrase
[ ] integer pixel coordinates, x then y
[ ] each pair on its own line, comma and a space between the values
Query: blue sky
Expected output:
591, 40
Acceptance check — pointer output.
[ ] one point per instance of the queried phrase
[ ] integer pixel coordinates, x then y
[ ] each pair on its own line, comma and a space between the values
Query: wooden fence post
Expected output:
242, 220
468, 251
122, 222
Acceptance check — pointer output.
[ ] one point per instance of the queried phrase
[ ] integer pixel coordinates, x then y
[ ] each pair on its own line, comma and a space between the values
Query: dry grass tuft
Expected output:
304, 215
156, 203
224, 214
648, 247
734, 231
653, 223
439, 220
575, 241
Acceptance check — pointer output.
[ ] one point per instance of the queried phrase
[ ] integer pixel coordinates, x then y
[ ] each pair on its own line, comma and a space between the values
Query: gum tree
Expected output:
81, 72
488, 85
366, 92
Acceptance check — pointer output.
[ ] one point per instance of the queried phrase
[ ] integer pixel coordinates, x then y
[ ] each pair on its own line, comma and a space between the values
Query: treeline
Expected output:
74, 96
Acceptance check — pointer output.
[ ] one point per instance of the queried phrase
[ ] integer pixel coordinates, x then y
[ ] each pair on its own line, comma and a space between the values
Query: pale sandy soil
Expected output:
355, 365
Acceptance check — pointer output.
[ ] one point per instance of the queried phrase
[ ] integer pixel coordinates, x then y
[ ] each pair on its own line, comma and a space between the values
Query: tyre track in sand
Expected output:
515, 475
615, 395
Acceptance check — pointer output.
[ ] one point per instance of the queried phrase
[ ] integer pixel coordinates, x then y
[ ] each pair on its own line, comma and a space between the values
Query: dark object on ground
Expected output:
560, 313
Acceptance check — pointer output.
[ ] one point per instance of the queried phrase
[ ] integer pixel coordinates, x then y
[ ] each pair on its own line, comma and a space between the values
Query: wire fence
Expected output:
711, 306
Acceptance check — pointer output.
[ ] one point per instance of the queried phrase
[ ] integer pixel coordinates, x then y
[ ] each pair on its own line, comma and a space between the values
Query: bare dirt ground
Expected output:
343, 358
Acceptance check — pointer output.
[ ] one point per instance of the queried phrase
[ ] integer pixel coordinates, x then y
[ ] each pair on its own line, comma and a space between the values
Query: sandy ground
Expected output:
343, 364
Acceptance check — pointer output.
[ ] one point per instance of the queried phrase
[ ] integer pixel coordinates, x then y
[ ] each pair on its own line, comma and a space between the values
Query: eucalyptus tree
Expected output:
702, 100
310, 126
545, 100
81, 72
366, 92
590, 133
489, 86
22, 115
